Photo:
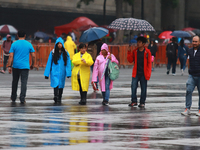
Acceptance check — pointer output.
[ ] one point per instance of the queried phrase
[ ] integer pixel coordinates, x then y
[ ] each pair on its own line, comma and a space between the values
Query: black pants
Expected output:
58, 94
16, 74
83, 94
5, 60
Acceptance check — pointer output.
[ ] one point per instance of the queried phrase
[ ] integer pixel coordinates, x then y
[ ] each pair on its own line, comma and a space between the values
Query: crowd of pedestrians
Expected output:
65, 60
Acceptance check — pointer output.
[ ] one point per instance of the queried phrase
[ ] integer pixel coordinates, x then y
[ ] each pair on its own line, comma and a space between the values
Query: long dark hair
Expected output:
182, 43
56, 55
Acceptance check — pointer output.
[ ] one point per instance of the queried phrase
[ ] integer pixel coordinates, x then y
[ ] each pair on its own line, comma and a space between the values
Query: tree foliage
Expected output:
86, 2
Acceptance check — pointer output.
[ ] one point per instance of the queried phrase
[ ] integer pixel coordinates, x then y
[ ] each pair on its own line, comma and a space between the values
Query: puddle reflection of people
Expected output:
18, 127
142, 123
100, 125
78, 123
55, 126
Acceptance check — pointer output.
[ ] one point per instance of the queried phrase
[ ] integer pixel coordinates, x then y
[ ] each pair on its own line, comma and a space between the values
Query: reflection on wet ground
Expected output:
39, 124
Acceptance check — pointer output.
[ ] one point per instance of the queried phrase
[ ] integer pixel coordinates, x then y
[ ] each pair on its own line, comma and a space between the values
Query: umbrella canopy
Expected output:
188, 29
131, 24
191, 33
93, 34
8, 29
196, 31
181, 34
165, 35
75, 24
41, 35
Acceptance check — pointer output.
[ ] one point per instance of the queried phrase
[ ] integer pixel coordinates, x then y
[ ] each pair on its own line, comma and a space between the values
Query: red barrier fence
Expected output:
120, 52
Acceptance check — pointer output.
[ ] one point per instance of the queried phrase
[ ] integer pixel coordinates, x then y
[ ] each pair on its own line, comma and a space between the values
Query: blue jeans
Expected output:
134, 86
106, 94
173, 63
191, 83
183, 61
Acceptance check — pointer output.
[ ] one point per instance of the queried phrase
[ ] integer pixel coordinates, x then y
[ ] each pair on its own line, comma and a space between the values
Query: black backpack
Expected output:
171, 50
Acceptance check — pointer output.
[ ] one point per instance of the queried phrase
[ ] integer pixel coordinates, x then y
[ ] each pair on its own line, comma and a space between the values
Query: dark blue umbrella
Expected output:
181, 34
41, 35
93, 34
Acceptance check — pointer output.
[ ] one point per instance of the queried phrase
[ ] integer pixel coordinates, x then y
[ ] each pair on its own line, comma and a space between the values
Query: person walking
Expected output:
182, 55
153, 48
194, 75
99, 66
141, 57
171, 52
18, 65
70, 46
59, 67
81, 72
6, 48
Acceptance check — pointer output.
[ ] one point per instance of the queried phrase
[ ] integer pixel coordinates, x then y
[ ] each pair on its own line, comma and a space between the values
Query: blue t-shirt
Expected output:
21, 50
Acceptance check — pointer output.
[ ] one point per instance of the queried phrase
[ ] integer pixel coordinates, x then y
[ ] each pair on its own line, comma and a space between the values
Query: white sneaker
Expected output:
198, 113
182, 72
186, 112
173, 74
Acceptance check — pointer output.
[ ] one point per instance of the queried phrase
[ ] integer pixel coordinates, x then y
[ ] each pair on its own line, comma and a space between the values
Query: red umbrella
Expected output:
188, 29
165, 35
8, 29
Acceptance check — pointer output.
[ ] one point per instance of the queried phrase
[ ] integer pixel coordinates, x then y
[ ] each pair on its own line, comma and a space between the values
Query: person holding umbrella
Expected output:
141, 57
81, 72
101, 70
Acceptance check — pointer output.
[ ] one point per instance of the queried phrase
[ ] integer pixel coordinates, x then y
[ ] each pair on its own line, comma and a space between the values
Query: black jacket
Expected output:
194, 69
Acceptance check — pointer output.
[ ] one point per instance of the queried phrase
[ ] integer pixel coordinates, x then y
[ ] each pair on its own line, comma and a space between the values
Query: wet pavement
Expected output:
39, 124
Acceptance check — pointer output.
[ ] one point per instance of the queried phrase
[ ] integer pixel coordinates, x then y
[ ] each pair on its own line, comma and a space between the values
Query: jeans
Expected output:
191, 83
5, 60
106, 94
134, 86
16, 73
173, 63
183, 61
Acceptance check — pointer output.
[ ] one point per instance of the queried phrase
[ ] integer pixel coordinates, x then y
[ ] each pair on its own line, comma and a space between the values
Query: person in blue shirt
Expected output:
18, 65
59, 67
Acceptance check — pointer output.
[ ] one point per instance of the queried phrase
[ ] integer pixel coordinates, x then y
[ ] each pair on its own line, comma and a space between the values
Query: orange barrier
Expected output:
120, 52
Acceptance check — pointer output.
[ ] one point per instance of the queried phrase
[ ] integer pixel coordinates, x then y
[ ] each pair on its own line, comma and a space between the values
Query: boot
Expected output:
83, 98
60, 95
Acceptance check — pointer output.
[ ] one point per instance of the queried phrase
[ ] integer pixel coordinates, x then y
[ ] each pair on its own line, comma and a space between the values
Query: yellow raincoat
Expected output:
70, 46
83, 69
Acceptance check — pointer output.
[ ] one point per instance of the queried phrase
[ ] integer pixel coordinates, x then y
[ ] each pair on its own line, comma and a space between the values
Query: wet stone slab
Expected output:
40, 124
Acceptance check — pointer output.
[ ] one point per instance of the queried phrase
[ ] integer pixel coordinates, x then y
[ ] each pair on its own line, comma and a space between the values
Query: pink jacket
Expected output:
99, 66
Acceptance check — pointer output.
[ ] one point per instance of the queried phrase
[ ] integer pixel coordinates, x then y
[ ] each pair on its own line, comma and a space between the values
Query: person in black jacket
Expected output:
153, 48
194, 75
171, 51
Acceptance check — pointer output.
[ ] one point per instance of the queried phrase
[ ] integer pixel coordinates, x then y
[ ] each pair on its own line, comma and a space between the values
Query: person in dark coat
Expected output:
153, 48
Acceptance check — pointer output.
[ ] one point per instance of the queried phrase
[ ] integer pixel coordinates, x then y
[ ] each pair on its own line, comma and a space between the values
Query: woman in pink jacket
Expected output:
105, 83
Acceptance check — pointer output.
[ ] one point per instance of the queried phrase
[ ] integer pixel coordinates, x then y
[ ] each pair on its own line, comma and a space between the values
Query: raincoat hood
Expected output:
104, 46
59, 40
69, 38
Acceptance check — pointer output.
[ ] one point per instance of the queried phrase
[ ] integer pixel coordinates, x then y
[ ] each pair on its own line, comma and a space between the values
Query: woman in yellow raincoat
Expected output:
81, 72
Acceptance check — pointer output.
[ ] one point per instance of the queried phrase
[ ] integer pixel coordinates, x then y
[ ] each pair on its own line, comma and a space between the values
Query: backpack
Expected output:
113, 70
171, 50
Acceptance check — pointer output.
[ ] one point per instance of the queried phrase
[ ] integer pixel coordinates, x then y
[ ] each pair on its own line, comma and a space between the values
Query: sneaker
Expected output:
141, 105
173, 74
2, 71
198, 113
106, 103
167, 72
132, 104
186, 112
182, 72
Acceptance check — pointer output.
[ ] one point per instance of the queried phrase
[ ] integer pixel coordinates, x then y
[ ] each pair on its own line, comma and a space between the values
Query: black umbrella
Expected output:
131, 24
197, 31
